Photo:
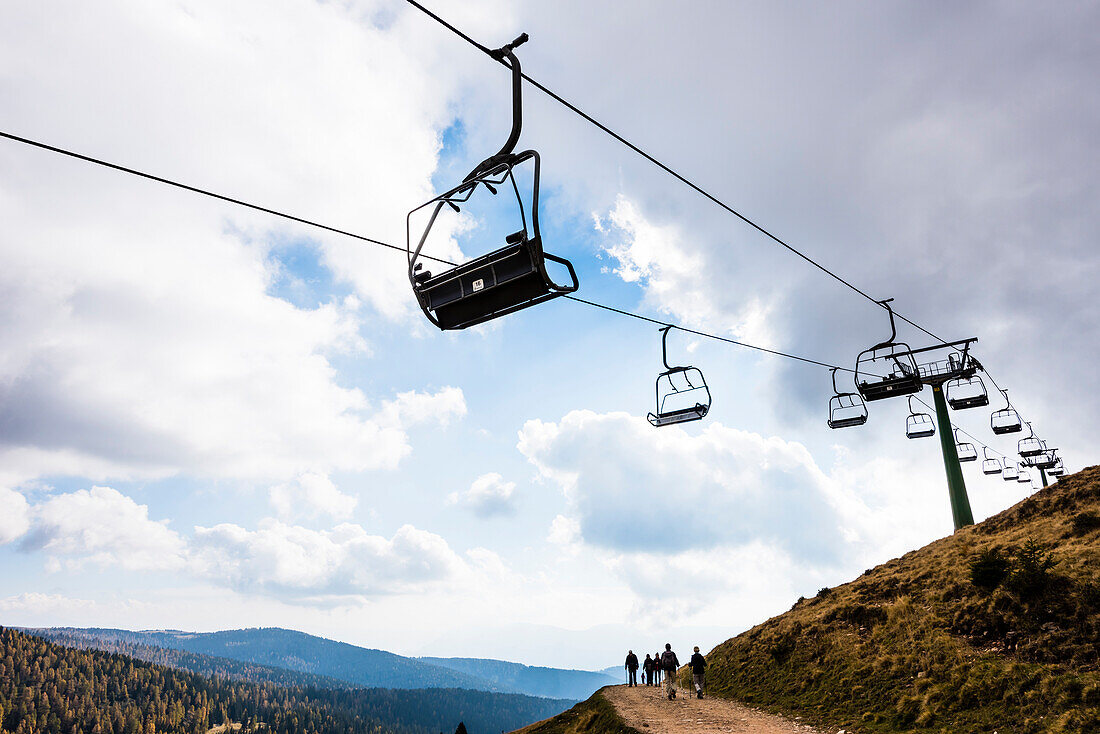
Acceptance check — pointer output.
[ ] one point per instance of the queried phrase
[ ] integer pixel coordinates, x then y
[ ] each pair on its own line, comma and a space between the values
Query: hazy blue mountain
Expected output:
300, 652
534, 681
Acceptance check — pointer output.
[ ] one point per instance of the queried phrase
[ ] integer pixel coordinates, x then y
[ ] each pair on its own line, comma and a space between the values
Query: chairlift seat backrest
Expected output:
846, 409
1029, 447
1006, 420
966, 451
1010, 473
991, 466
966, 392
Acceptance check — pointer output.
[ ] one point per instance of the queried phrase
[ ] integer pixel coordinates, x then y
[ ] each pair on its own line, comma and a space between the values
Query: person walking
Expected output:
657, 669
698, 665
647, 669
669, 664
631, 668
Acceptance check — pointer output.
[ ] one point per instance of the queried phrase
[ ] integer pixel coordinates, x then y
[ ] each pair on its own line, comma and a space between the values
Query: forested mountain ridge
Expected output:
297, 651
206, 665
49, 689
294, 658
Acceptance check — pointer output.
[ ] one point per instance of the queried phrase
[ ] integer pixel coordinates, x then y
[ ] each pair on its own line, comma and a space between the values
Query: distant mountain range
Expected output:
286, 657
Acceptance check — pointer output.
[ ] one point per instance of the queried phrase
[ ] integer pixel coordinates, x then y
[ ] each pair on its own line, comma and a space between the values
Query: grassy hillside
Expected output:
594, 716
995, 628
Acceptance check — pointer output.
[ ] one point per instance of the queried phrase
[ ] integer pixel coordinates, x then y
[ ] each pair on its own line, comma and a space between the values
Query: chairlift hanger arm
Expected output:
506, 54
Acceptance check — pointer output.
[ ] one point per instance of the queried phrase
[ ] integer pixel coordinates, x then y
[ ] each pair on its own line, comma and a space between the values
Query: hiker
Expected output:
698, 665
669, 664
632, 668
657, 669
647, 668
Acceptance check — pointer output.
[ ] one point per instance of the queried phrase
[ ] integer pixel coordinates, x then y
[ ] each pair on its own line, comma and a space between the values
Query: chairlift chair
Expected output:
1031, 445
918, 425
1010, 472
1058, 469
965, 450
680, 392
966, 392
507, 279
887, 369
1006, 420
1046, 459
1025, 475
846, 409
990, 464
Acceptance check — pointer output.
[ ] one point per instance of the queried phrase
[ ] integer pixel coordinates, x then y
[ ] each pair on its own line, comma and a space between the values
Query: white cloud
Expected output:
564, 531
633, 488
104, 527
313, 566
489, 495
312, 494
14, 515
412, 408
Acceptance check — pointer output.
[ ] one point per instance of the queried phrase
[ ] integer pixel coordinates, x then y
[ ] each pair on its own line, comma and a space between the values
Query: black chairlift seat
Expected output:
918, 425
682, 394
1025, 476
507, 279
1046, 459
966, 392
990, 464
846, 409
1058, 469
1006, 420
1011, 473
887, 369
1030, 446
965, 450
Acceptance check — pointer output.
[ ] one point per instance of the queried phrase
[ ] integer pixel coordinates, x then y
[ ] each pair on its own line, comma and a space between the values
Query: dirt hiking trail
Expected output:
647, 709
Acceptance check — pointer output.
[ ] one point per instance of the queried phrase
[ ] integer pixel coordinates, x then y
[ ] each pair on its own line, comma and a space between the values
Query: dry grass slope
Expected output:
995, 628
594, 716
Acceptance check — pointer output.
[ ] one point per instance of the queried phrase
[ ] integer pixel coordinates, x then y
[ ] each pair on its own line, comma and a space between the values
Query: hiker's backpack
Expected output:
668, 658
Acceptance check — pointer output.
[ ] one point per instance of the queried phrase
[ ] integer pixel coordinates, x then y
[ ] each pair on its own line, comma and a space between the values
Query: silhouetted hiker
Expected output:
669, 664
631, 668
657, 669
647, 668
461, 728
698, 665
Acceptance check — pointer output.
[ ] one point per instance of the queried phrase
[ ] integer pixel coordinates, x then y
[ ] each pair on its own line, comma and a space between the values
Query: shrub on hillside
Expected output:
989, 569
1031, 570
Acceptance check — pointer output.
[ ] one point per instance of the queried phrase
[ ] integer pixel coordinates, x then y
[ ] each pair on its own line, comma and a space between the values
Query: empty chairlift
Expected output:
966, 392
887, 369
966, 450
1006, 420
682, 393
918, 425
1045, 459
990, 464
1058, 469
1025, 475
508, 278
1011, 472
1031, 445
846, 409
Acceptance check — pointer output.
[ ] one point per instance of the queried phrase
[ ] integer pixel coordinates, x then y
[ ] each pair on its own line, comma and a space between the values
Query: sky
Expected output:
212, 418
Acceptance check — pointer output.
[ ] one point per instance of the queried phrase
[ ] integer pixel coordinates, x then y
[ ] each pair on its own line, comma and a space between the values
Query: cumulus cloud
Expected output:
314, 565
412, 408
311, 495
636, 489
14, 515
488, 495
105, 527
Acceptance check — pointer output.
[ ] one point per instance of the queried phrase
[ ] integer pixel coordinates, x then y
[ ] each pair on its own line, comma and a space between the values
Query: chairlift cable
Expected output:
373, 241
690, 184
